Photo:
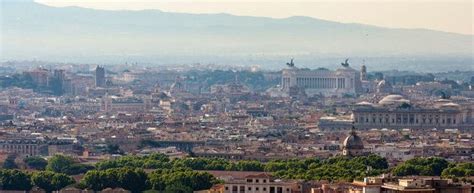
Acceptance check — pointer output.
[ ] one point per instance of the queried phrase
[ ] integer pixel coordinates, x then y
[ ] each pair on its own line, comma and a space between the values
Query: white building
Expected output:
343, 81
261, 183
125, 104
395, 112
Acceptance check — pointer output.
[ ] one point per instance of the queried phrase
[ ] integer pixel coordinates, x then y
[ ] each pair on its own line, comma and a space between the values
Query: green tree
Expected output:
77, 168
113, 149
14, 180
37, 163
66, 165
432, 166
193, 179
156, 181
336, 168
59, 163
405, 170
95, 180
127, 178
178, 188
459, 170
10, 162
132, 179
50, 181
249, 166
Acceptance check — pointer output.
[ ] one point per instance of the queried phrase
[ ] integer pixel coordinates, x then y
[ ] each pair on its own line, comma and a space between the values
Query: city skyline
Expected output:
205, 96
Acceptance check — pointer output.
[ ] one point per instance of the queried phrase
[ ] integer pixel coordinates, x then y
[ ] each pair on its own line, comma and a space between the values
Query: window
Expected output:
264, 181
249, 188
412, 118
249, 180
256, 180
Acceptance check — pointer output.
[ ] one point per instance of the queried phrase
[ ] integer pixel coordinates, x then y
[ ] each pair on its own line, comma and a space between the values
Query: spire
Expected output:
352, 128
236, 78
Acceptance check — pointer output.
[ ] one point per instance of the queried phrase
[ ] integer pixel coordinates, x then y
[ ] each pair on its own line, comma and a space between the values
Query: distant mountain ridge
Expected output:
35, 31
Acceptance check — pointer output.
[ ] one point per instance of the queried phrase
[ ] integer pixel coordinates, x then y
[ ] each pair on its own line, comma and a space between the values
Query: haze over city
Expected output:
251, 96
307, 31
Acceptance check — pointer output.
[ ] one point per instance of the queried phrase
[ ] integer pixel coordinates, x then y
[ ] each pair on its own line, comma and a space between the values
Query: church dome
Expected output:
364, 103
450, 105
443, 101
353, 142
393, 100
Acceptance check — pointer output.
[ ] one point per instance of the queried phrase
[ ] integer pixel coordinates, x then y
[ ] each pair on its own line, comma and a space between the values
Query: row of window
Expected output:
241, 189
6, 146
406, 119
321, 82
447, 121
250, 180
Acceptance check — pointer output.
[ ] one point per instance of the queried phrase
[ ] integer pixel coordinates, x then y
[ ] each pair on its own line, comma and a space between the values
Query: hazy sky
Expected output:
444, 15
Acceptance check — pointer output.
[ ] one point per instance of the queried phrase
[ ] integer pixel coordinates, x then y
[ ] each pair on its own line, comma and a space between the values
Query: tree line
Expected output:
434, 166
157, 172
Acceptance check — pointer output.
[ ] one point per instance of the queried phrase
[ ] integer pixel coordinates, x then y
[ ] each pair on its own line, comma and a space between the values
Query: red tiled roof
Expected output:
260, 175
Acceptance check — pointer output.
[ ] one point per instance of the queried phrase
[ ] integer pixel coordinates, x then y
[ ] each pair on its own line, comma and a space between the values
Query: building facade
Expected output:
395, 112
23, 147
99, 76
125, 104
343, 81
261, 183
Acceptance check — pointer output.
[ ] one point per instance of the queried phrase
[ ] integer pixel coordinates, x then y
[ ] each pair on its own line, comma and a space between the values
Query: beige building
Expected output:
125, 104
395, 111
261, 183
411, 185
407, 185
22, 147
